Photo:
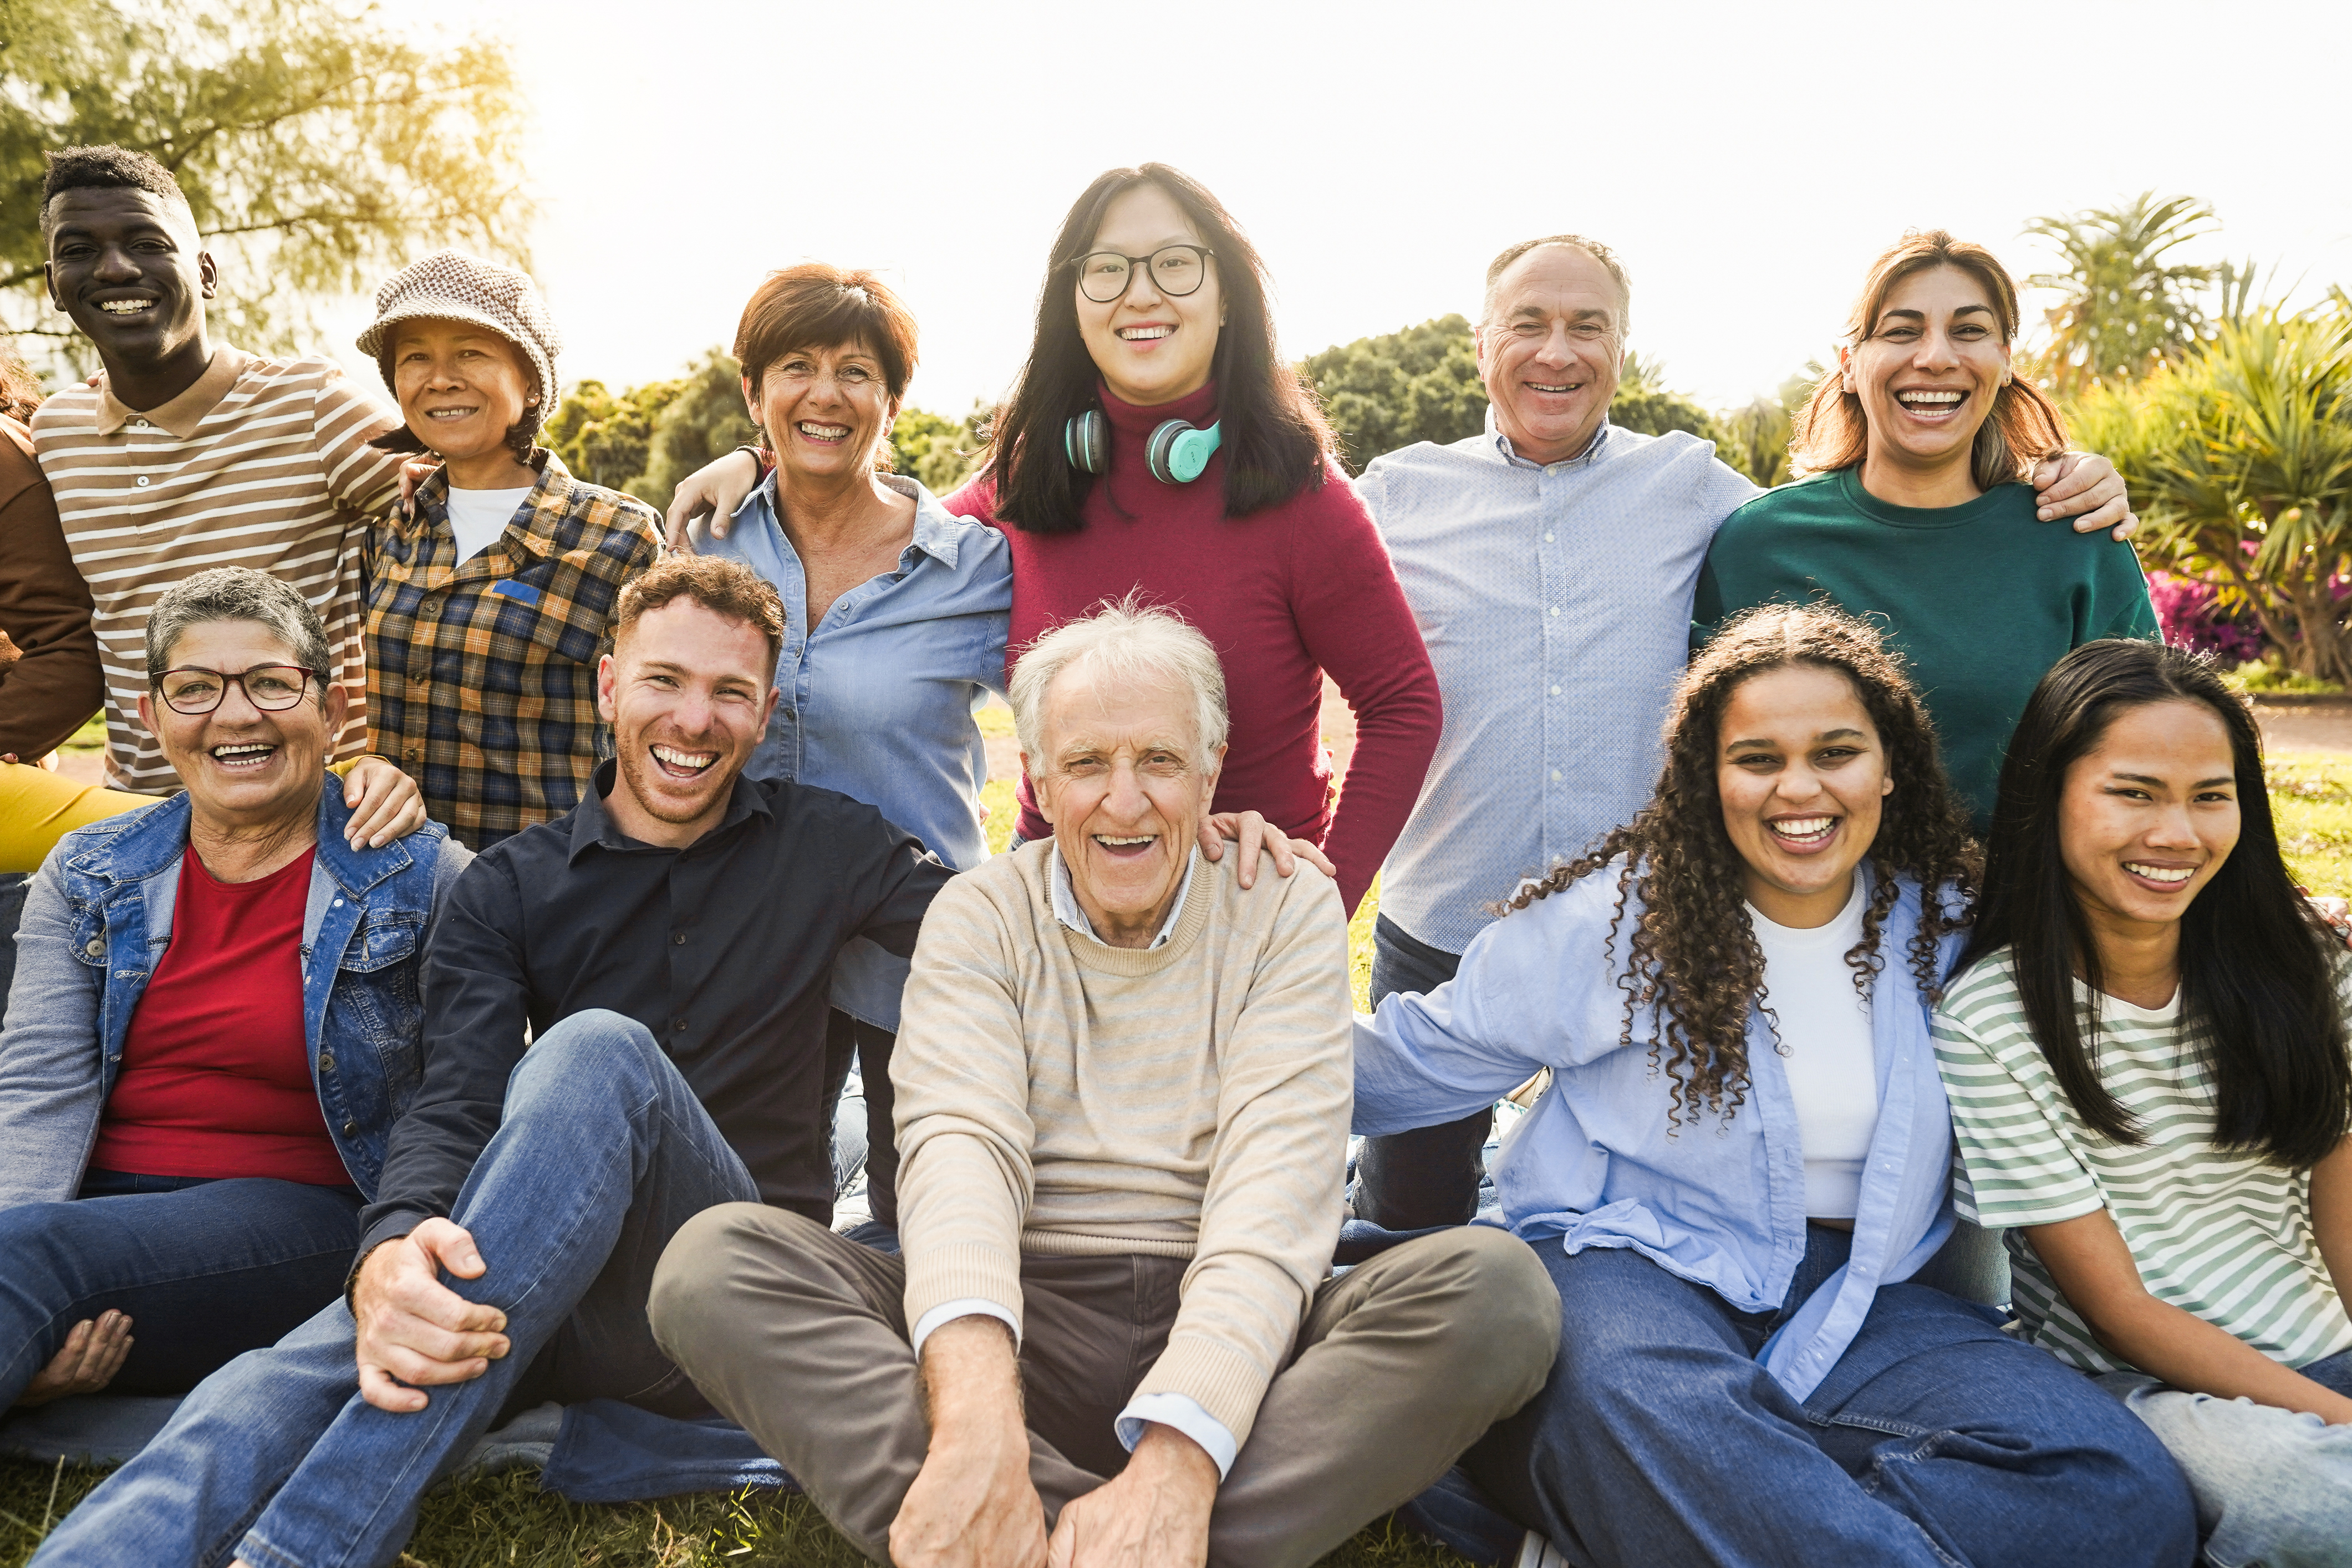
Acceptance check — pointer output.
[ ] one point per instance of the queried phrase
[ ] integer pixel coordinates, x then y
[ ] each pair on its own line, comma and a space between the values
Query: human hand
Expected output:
972, 1504
93, 1353
1256, 837
2087, 487
1152, 1514
386, 803
416, 1330
714, 490
413, 474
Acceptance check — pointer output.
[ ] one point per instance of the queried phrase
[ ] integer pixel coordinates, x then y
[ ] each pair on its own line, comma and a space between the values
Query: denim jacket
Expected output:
1596, 1162
97, 920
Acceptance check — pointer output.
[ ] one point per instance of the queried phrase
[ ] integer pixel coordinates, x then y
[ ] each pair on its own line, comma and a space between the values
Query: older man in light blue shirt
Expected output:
1550, 561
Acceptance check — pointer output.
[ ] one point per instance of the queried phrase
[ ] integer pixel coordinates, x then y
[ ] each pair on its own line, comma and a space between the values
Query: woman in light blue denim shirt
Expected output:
227, 1233
1746, 1371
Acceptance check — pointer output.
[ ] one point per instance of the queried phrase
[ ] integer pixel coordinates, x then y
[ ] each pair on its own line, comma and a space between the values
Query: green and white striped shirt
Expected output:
2222, 1234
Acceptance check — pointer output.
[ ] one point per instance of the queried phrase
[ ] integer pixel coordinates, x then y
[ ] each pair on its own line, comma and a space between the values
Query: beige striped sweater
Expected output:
262, 463
1056, 1095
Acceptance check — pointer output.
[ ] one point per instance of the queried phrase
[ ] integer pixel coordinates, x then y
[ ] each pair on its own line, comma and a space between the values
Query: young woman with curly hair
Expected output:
2145, 1051
1743, 1158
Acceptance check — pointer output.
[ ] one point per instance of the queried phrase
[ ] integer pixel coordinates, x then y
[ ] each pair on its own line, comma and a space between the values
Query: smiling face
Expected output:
461, 386
1549, 351
687, 692
1151, 349
245, 766
127, 267
1928, 372
2148, 815
1803, 776
826, 411
1121, 782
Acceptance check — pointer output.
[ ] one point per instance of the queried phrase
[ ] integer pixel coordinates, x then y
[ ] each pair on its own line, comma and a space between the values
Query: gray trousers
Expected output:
800, 1336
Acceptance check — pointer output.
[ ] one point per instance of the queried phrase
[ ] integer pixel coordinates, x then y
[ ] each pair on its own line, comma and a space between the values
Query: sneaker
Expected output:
1535, 1552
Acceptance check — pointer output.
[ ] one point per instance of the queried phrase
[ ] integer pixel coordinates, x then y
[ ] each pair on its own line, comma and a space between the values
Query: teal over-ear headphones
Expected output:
1177, 454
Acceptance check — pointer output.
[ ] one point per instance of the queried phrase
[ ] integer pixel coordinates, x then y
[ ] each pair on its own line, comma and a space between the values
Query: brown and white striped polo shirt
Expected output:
262, 463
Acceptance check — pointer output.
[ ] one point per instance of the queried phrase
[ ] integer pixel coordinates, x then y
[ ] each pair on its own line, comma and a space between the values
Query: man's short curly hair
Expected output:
106, 168
728, 589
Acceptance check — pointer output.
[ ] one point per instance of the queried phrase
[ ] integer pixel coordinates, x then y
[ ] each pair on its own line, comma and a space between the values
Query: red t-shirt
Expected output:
216, 1077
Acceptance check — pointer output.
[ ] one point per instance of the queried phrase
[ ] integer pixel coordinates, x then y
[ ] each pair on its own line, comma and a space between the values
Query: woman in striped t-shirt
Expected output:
2146, 1057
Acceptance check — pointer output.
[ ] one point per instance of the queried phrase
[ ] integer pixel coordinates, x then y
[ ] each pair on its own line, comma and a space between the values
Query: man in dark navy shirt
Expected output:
626, 1020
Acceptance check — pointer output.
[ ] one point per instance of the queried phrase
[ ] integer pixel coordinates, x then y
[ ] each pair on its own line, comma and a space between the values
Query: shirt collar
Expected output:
549, 503
185, 413
1071, 913
592, 825
1503, 446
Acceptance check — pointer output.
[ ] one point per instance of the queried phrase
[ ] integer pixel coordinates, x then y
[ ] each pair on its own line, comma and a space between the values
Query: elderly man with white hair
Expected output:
1123, 1093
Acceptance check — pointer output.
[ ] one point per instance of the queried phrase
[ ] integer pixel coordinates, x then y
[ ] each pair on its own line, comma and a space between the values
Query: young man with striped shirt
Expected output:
186, 454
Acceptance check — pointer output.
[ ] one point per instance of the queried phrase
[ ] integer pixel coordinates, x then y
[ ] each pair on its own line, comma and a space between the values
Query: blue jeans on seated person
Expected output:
602, 1154
2273, 1486
1429, 1176
206, 1270
1937, 1439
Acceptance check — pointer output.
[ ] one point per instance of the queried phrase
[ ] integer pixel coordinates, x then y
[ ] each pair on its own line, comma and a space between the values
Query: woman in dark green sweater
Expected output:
1919, 511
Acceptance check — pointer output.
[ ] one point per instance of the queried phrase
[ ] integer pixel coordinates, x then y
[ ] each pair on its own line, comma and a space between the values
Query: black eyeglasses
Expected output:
272, 688
1175, 271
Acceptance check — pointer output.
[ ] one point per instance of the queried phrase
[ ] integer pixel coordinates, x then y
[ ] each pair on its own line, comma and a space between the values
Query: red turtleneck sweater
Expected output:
1284, 595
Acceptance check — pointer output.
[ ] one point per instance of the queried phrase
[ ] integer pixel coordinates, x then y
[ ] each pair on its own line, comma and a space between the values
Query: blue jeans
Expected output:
205, 1269
602, 1153
1937, 1439
1429, 1176
2273, 1486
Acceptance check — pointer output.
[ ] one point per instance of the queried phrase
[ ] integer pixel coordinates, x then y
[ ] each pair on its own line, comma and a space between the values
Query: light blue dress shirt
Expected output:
1556, 603
1595, 1163
878, 697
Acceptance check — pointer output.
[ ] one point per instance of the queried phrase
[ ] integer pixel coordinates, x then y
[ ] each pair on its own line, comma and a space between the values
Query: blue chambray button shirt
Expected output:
1556, 602
1597, 1164
878, 697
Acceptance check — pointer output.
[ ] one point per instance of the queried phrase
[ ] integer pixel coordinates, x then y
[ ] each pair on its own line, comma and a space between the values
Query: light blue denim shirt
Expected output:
1596, 1163
1556, 601
878, 697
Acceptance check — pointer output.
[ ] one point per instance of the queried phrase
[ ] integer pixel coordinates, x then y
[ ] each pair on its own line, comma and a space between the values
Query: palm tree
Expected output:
2240, 458
2125, 309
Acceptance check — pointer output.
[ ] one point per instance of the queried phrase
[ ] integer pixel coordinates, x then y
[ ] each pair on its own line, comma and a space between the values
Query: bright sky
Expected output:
1748, 161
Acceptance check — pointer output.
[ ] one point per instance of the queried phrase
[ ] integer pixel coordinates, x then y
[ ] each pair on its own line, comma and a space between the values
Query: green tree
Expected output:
606, 438
1644, 403
1755, 439
2126, 308
320, 149
940, 452
2239, 456
1418, 384
702, 419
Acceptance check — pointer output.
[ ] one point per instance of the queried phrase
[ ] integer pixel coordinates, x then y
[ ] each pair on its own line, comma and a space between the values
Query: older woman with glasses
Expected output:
216, 1020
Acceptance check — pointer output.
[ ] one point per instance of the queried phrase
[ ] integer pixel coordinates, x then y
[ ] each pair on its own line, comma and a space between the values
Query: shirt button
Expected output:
1555, 775
429, 610
326, 1061
679, 1027
1555, 691
1554, 609
95, 948
350, 1128
409, 755
678, 940
144, 481
139, 424
1547, 539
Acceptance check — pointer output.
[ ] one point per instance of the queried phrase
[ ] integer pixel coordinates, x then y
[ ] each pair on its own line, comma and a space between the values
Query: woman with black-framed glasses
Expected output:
216, 1020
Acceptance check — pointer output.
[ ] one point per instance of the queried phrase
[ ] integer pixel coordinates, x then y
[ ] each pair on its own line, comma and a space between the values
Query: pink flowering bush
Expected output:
2188, 608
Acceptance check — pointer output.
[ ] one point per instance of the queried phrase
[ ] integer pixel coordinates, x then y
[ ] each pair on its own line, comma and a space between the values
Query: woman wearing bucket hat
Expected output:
491, 596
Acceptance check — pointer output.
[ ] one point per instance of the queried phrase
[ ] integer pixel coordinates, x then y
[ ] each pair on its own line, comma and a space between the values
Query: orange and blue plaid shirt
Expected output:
482, 673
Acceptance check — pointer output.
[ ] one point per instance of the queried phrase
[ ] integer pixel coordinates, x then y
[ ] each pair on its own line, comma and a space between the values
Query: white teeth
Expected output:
1143, 334
244, 754
678, 759
1931, 397
1538, 386
2161, 873
1803, 826
824, 432
451, 413
1114, 840
125, 307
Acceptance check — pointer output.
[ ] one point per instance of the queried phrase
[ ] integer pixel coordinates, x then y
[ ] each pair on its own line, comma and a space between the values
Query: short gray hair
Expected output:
1128, 642
1592, 247
239, 594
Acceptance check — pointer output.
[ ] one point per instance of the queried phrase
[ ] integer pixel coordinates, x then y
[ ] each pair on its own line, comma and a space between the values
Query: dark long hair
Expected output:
1694, 954
2255, 970
1274, 438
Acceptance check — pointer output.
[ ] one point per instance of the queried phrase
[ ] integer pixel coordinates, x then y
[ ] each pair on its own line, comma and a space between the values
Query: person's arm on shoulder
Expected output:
50, 1068
1351, 614
363, 478
2093, 1267
2083, 486
38, 807
385, 803
713, 490
55, 684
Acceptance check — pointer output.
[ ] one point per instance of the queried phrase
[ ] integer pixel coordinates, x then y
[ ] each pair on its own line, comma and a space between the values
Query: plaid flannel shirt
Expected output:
482, 673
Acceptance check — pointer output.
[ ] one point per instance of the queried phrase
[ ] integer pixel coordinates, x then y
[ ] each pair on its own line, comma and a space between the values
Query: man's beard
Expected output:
639, 772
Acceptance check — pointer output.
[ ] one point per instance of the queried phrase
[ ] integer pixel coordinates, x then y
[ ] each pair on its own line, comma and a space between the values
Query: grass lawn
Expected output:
505, 1521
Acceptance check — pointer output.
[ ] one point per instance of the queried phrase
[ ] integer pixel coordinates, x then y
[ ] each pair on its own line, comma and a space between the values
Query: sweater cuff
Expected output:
1224, 1381
963, 1271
